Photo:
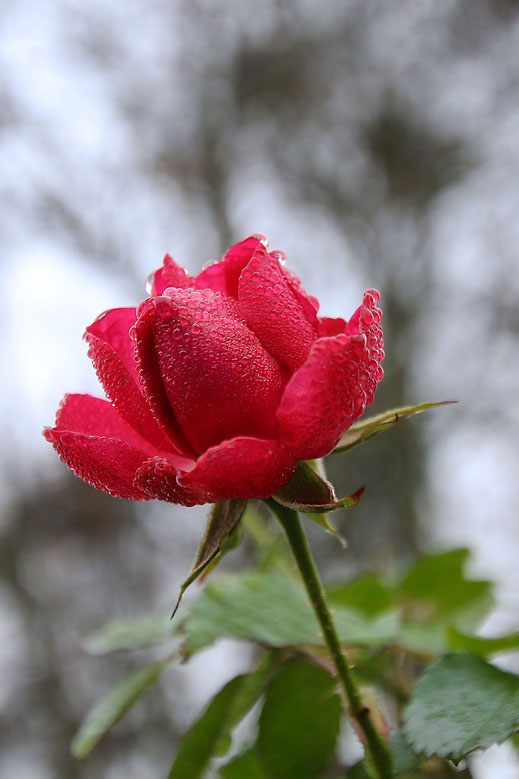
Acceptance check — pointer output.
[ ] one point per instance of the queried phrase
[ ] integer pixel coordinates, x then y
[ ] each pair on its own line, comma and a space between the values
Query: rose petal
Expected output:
106, 462
170, 275
333, 387
366, 320
217, 377
223, 276
95, 416
243, 467
157, 477
328, 326
112, 352
151, 378
272, 311
308, 303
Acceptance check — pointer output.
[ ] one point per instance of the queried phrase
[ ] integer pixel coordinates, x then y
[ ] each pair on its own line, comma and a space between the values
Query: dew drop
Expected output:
149, 282
279, 256
262, 239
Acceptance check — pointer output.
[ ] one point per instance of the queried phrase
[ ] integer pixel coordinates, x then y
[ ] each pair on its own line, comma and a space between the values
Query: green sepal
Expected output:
313, 495
366, 428
223, 519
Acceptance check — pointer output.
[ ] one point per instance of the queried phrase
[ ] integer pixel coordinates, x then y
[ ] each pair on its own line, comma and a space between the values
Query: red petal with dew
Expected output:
112, 352
328, 326
215, 374
243, 467
334, 386
272, 311
170, 275
157, 477
308, 303
223, 276
98, 446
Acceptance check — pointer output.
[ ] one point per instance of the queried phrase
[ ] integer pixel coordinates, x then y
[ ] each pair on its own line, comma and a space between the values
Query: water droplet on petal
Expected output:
279, 256
262, 239
149, 282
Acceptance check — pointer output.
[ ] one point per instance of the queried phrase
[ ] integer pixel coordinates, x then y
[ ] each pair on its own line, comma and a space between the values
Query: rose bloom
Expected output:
218, 384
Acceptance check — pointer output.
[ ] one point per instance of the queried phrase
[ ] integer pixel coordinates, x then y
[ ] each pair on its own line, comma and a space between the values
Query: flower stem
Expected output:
378, 750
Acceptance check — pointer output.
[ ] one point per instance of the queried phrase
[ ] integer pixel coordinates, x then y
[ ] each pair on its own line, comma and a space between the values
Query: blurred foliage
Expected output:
391, 630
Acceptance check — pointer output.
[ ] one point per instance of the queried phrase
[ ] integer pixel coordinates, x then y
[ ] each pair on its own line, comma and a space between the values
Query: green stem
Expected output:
377, 748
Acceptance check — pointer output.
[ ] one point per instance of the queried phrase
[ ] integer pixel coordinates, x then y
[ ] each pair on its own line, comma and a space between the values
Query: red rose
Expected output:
219, 384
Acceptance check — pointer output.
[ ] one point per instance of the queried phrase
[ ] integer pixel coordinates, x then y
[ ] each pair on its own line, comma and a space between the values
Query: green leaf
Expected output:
461, 704
223, 519
130, 634
299, 723
244, 766
274, 610
437, 590
436, 595
113, 707
366, 428
404, 759
210, 736
425, 640
483, 647
365, 593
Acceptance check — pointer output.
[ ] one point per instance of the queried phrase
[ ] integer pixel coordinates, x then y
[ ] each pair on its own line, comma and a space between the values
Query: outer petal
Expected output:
333, 387
98, 446
244, 468
170, 275
112, 351
273, 312
223, 276
95, 416
366, 320
215, 374
158, 479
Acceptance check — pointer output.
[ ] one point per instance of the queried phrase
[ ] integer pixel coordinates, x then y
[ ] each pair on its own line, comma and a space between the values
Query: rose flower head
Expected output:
218, 384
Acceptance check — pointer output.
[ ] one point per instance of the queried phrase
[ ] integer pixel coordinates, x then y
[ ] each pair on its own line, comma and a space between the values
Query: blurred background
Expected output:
376, 144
